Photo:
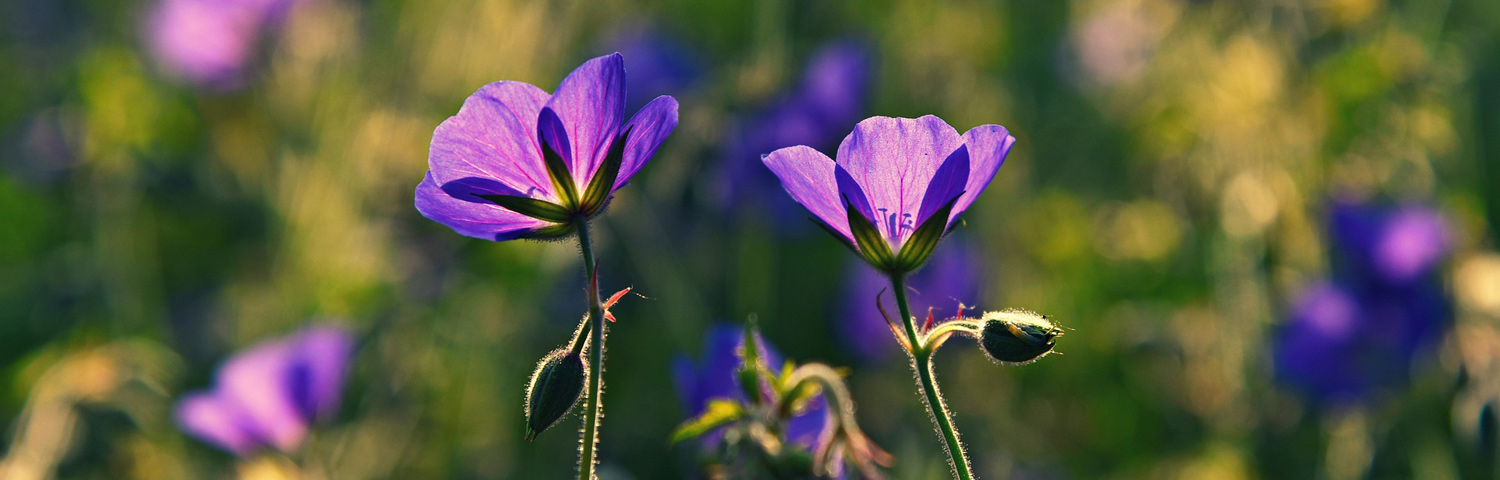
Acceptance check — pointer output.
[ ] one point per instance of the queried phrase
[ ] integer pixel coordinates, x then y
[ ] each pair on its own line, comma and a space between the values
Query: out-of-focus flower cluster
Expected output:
1356, 334
757, 417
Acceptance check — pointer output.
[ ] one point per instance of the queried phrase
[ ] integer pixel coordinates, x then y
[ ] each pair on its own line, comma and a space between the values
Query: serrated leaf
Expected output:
531, 207
920, 244
718, 413
872, 246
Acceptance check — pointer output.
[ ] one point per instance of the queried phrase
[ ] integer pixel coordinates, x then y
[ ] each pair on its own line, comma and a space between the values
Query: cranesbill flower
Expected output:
1357, 333
516, 162
269, 395
897, 186
714, 378
953, 275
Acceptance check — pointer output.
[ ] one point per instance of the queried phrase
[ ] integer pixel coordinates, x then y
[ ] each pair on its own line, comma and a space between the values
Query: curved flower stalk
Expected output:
270, 395
897, 187
768, 419
517, 162
951, 275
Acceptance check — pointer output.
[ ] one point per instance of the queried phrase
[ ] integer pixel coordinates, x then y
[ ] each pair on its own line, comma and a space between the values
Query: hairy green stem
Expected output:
590, 437
922, 363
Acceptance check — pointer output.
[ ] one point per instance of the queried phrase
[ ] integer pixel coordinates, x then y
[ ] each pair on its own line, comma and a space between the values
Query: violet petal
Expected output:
494, 136
648, 128
894, 160
808, 176
591, 104
988, 145
479, 220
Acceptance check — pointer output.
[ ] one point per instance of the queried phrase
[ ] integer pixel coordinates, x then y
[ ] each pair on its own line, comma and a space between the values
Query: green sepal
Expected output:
872, 246
719, 412
555, 387
531, 207
557, 170
553, 231
604, 178
920, 244
748, 373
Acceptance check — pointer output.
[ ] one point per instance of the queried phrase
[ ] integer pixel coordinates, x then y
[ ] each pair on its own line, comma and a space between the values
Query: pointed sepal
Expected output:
920, 244
531, 207
597, 194
554, 139
872, 246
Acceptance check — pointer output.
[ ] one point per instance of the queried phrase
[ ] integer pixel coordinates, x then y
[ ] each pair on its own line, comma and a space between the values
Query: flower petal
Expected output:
256, 383
648, 128
591, 104
494, 137
894, 160
808, 176
215, 422
987, 145
320, 363
485, 221
947, 184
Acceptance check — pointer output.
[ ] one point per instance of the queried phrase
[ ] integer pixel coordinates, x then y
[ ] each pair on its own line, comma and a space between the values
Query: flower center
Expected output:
896, 223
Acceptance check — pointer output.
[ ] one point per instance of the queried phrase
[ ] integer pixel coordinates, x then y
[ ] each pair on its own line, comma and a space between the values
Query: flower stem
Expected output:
958, 460
587, 456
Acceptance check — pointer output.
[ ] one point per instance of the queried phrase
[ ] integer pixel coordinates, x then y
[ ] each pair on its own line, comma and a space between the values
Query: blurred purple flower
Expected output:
893, 174
659, 64
497, 149
210, 43
826, 102
268, 396
1390, 246
952, 276
1356, 335
714, 378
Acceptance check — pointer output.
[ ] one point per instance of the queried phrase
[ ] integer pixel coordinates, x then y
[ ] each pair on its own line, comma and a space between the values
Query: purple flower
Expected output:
1390, 246
210, 43
826, 102
714, 378
269, 395
952, 276
516, 162
897, 186
1357, 334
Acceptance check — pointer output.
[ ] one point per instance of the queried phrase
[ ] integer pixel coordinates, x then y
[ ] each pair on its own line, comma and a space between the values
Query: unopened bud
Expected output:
1016, 337
555, 387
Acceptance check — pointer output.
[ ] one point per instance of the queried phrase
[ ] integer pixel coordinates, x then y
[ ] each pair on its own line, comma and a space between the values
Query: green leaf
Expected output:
531, 207
920, 244
604, 178
719, 412
557, 170
872, 245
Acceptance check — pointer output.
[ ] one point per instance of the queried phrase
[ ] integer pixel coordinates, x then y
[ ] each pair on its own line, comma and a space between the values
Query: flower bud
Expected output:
555, 387
1016, 337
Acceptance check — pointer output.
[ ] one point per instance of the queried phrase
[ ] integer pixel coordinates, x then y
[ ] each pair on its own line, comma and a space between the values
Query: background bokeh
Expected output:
1166, 202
